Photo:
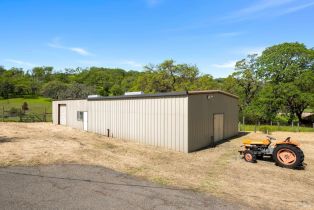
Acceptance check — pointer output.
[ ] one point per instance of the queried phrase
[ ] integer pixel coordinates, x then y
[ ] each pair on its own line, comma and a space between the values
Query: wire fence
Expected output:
276, 126
18, 115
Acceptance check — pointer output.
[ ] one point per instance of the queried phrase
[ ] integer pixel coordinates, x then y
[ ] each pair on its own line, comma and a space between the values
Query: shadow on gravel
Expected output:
5, 139
240, 134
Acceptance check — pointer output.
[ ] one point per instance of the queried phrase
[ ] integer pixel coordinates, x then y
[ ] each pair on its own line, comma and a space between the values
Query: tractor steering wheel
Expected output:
287, 139
271, 138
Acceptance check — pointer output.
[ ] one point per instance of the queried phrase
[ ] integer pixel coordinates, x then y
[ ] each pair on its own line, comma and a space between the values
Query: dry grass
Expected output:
219, 171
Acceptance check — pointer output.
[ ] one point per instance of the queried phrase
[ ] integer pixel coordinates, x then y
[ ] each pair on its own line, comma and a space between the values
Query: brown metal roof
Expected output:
211, 92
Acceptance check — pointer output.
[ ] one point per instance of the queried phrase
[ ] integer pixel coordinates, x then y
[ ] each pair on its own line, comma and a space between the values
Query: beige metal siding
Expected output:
73, 106
181, 123
156, 121
201, 112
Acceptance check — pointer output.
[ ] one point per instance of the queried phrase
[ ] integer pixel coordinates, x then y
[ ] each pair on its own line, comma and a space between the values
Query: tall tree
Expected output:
285, 67
247, 81
169, 76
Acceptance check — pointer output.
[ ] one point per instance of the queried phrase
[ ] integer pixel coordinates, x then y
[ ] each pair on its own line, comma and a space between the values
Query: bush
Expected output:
266, 129
14, 111
30, 97
25, 107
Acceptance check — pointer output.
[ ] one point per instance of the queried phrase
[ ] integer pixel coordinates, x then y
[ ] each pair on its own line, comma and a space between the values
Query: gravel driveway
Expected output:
92, 187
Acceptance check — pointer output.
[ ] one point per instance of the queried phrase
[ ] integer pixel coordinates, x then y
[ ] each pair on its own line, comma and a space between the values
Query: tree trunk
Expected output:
291, 116
299, 115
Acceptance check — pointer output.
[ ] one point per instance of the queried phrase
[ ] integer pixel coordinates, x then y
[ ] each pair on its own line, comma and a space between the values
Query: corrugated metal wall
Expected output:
181, 123
72, 107
201, 112
156, 121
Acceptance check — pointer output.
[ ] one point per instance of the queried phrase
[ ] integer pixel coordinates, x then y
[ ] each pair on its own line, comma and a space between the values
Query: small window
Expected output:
80, 116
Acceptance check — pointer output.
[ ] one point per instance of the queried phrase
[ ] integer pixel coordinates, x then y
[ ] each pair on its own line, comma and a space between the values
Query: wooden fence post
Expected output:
44, 116
20, 115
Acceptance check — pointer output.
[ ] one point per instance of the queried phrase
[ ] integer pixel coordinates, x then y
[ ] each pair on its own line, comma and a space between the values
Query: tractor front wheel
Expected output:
249, 156
288, 156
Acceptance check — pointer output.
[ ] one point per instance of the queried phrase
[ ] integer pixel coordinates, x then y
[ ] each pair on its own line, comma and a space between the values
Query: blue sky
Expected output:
132, 33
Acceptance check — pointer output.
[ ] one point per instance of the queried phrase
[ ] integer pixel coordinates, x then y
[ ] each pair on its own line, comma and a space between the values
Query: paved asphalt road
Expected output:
92, 187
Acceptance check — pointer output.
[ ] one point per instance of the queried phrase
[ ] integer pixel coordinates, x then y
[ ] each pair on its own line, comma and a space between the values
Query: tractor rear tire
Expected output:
249, 156
288, 156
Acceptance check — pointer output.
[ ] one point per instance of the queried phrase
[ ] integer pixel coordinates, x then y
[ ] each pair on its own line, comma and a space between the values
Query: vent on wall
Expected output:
210, 97
133, 93
93, 96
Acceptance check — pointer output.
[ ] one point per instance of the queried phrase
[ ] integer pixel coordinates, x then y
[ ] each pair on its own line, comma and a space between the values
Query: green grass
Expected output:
276, 128
36, 105
309, 110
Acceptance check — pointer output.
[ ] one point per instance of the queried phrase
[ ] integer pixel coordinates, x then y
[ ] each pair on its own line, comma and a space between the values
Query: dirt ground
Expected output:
219, 171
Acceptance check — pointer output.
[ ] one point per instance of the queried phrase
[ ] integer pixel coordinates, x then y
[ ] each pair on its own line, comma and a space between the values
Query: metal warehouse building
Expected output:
182, 121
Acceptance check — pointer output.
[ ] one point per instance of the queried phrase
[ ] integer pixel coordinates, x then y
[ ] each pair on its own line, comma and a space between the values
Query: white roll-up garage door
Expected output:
63, 114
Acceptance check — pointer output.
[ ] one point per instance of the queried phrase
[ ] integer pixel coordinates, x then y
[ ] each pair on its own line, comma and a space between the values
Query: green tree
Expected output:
6, 89
77, 91
169, 76
42, 74
54, 89
285, 67
246, 82
116, 90
2, 70
205, 82
284, 62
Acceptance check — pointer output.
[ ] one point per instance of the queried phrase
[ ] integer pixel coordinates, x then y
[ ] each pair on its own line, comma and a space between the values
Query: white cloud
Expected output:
244, 51
152, 3
112, 63
21, 63
296, 8
262, 5
90, 62
80, 51
267, 8
226, 65
230, 34
253, 50
132, 63
56, 44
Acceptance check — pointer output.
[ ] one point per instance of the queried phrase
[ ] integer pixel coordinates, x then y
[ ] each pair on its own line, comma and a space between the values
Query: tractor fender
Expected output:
294, 143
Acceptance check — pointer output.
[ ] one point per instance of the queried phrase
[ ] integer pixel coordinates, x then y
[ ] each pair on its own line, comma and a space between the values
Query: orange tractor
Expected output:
285, 153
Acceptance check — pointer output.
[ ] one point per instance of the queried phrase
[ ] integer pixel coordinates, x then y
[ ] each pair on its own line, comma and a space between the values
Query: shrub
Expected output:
265, 129
14, 111
30, 97
24, 107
